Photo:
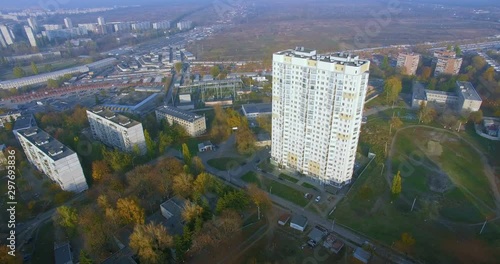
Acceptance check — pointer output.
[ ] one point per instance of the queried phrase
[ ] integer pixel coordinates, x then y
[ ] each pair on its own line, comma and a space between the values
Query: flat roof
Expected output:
24, 121
468, 91
46, 143
179, 113
343, 58
299, 220
62, 254
258, 108
418, 91
118, 119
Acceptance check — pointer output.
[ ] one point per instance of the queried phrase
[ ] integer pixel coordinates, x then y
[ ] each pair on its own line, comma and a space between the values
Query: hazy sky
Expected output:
100, 3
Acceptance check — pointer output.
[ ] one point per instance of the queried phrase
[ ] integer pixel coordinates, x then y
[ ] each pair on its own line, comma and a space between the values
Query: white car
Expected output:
317, 198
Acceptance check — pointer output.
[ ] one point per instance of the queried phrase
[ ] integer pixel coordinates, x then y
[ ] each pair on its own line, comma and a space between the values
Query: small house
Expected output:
283, 219
299, 222
362, 255
205, 146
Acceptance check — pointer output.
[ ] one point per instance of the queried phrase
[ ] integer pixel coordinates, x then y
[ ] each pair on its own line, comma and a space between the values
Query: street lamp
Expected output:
271, 189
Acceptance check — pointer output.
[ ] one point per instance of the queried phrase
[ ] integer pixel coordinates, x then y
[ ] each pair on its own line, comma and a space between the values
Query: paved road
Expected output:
233, 177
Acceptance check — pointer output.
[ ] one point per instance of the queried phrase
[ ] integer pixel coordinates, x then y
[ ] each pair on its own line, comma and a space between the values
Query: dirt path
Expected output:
490, 175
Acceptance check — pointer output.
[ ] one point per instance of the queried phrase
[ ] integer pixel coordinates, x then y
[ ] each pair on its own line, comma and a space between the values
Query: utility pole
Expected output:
333, 223
383, 167
413, 205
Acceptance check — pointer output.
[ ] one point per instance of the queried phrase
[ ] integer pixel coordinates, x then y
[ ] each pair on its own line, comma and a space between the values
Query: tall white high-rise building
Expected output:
2, 41
33, 23
101, 21
6, 33
31, 35
317, 110
116, 130
68, 23
57, 161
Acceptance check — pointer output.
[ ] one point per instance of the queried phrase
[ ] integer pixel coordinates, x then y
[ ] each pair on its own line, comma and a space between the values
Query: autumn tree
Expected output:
392, 88
97, 232
395, 123
6, 258
215, 71
178, 67
476, 116
265, 122
489, 74
151, 242
183, 185
186, 154
150, 145
51, 83
406, 243
396, 184
18, 72
100, 169
202, 183
235, 200
258, 197
220, 129
216, 232
67, 217
164, 140
478, 63
191, 211
426, 114
84, 258
197, 165
245, 139
117, 160
458, 50
130, 211
426, 73
34, 68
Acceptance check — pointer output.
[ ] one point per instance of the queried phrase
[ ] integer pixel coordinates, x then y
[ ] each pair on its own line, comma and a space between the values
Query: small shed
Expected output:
299, 222
62, 253
283, 219
362, 255
205, 146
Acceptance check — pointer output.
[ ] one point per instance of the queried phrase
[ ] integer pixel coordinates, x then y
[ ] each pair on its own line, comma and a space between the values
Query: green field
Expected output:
288, 178
276, 188
225, 163
453, 197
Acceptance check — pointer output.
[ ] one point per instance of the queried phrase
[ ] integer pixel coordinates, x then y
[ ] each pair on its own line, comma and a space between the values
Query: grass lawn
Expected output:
308, 185
276, 188
44, 247
225, 163
288, 178
251, 177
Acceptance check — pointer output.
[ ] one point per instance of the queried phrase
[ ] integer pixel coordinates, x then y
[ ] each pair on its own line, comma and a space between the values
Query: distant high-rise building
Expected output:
317, 111
52, 26
100, 21
140, 26
57, 161
162, 25
184, 25
7, 34
68, 23
408, 62
116, 130
33, 23
446, 62
31, 36
2, 41
122, 26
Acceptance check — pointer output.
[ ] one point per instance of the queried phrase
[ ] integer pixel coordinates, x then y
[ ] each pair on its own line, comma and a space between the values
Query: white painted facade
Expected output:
317, 110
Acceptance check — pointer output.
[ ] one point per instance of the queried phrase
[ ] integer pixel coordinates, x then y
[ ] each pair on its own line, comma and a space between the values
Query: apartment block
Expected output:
446, 63
195, 125
408, 62
317, 111
49, 156
116, 130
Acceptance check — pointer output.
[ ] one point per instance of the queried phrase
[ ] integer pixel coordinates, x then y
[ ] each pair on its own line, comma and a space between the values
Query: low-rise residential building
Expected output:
116, 130
171, 210
62, 253
408, 62
299, 222
51, 157
464, 98
252, 111
195, 125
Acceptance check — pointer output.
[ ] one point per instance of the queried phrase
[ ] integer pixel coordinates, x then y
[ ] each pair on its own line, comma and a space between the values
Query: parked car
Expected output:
308, 196
318, 198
